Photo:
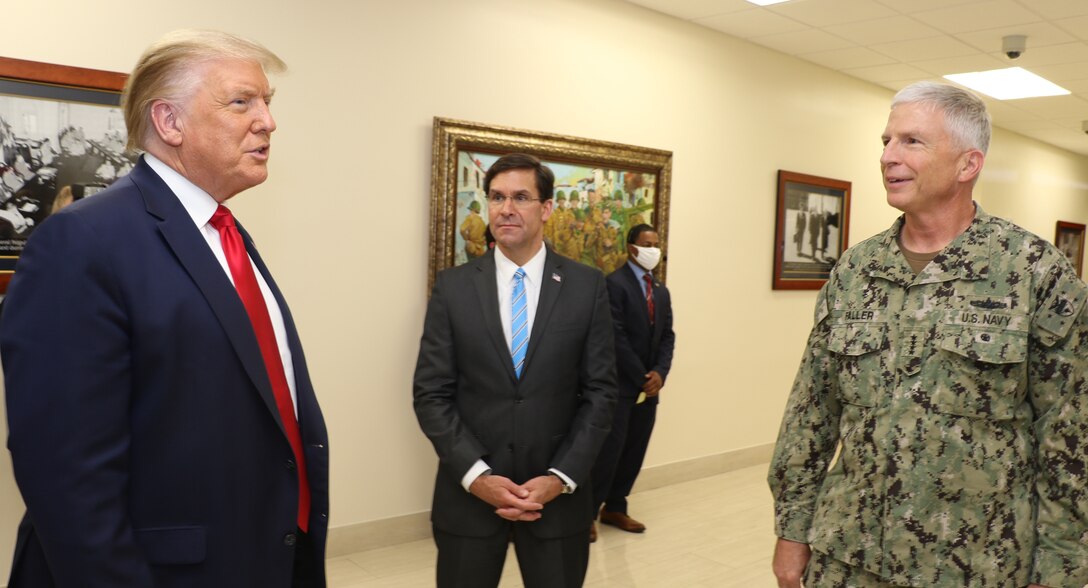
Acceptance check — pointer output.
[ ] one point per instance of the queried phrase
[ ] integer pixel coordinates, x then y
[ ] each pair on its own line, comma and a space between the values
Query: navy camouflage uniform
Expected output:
960, 400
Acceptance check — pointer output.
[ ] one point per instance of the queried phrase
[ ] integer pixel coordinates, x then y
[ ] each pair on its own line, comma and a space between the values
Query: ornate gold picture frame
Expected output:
604, 189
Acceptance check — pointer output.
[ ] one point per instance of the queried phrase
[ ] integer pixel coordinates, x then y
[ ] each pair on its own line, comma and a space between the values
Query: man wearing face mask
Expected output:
642, 322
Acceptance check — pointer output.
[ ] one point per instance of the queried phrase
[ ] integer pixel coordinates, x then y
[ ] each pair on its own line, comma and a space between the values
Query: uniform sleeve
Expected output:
808, 435
1058, 393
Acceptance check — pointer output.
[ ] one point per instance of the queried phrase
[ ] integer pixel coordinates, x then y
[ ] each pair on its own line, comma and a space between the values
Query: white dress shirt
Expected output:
504, 281
201, 206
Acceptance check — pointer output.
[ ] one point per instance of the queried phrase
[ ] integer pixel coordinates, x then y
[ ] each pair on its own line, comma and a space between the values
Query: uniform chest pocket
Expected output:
980, 372
858, 350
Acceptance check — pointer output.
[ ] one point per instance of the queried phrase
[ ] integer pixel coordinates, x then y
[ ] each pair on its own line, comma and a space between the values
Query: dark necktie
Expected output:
245, 281
649, 295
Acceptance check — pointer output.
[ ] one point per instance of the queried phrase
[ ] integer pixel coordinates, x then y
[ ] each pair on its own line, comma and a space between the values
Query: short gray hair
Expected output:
169, 70
964, 113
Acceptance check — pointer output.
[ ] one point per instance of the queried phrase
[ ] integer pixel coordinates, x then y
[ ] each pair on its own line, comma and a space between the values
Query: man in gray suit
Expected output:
515, 387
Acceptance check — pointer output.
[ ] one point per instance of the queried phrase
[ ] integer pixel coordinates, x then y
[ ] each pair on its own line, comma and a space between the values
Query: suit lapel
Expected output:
192, 251
551, 284
303, 388
637, 291
487, 293
658, 324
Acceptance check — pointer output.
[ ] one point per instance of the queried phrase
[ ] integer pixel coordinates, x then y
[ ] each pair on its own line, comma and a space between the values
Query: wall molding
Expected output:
347, 539
702, 467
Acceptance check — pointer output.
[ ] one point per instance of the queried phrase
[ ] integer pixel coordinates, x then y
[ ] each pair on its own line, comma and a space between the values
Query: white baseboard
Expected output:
702, 467
347, 539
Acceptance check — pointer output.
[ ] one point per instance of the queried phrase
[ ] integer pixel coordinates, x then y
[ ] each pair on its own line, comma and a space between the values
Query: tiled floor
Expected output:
712, 533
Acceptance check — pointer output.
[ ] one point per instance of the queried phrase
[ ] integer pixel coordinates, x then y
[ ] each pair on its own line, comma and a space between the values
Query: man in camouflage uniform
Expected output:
953, 382
604, 242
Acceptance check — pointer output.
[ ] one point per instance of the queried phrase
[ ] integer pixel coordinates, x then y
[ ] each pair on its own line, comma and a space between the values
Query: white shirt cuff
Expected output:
479, 468
564, 477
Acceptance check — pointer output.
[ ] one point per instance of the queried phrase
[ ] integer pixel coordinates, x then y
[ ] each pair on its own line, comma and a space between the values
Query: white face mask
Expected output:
648, 257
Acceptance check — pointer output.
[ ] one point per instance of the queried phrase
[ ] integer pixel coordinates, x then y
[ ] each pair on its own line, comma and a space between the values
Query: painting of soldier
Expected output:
473, 231
593, 208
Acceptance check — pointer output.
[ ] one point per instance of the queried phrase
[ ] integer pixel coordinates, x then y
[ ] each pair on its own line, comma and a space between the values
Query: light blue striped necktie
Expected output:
519, 323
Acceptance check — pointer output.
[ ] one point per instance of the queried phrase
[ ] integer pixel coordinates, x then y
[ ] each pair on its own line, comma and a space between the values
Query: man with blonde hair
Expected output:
163, 428
947, 365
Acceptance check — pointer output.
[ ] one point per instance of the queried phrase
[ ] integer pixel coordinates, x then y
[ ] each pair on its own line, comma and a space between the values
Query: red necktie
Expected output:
649, 295
245, 281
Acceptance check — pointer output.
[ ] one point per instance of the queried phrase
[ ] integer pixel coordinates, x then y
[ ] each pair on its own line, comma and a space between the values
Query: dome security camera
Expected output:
1014, 45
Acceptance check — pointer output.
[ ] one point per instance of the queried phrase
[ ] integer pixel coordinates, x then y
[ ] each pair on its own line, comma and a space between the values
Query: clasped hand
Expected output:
513, 502
652, 385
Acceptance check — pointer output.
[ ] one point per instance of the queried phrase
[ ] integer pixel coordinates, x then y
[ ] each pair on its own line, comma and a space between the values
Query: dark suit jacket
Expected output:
143, 430
471, 406
640, 346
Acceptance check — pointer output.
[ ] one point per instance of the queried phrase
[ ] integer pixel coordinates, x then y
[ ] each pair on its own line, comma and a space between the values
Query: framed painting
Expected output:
601, 190
62, 138
811, 226
1069, 238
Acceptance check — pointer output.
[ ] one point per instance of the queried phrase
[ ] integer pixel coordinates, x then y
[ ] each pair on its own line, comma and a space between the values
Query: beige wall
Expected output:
343, 219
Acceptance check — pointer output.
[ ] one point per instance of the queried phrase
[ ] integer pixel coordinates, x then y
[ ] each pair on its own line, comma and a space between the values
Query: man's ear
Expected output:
971, 165
166, 118
546, 209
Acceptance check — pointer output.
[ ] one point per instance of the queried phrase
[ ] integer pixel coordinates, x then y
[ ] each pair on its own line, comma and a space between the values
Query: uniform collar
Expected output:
967, 257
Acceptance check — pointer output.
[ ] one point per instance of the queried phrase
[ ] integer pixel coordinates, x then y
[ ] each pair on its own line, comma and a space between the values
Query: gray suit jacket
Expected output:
471, 406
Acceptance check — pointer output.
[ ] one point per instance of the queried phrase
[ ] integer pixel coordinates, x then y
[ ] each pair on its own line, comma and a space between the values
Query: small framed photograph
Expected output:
1069, 238
813, 216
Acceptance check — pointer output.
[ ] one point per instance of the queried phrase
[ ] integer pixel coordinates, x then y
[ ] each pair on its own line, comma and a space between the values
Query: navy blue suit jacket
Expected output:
640, 346
142, 426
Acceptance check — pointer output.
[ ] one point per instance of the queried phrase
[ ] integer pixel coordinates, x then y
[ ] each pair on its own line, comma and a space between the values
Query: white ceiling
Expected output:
893, 43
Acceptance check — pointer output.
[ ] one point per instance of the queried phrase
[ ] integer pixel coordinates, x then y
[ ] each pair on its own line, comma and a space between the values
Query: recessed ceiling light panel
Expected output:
766, 2
1008, 84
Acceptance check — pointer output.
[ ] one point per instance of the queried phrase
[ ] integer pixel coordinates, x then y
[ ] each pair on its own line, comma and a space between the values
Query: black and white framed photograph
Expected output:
62, 139
1069, 238
813, 216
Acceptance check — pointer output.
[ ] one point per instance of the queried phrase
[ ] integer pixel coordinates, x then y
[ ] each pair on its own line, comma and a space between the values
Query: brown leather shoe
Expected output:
622, 521
593, 532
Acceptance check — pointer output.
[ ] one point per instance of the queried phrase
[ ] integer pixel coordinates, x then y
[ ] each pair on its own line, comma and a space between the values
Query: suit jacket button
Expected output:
290, 539
290, 464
